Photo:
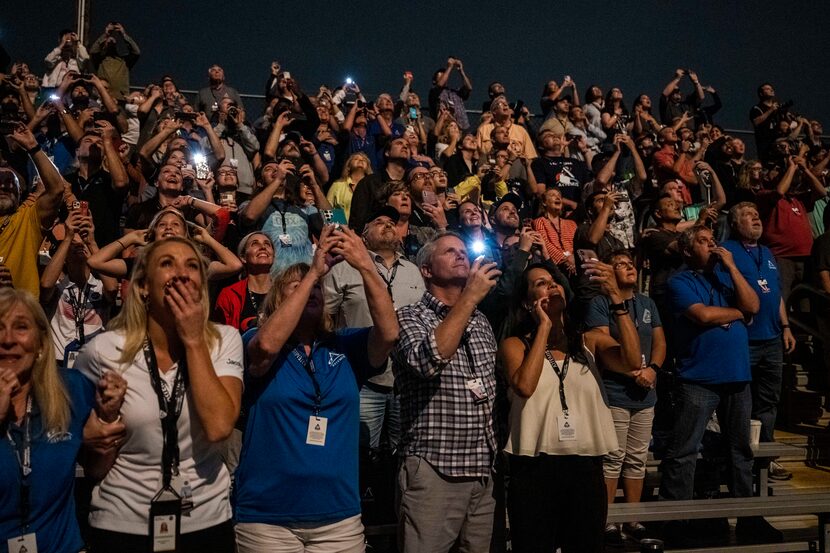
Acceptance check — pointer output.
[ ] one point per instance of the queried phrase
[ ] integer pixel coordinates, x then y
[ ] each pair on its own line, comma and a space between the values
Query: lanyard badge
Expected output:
25, 542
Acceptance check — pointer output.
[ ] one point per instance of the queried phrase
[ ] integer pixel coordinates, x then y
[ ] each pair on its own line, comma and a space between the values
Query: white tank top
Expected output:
533, 421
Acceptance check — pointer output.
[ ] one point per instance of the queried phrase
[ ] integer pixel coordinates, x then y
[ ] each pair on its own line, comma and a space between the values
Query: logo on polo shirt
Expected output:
771, 265
335, 358
647, 316
54, 437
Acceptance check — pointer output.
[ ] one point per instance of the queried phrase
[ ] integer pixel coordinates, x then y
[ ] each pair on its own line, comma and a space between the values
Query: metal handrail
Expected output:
797, 317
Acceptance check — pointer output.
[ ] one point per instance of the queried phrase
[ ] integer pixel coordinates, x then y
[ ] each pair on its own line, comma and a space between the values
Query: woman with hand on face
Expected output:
168, 223
184, 388
296, 487
560, 426
44, 415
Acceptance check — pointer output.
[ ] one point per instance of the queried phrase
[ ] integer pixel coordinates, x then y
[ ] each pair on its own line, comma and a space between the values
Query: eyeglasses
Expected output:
624, 265
421, 177
438, 174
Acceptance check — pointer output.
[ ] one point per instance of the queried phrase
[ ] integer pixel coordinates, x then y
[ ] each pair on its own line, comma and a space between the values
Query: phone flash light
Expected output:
54, 97
349, 80
477, 247
199, 158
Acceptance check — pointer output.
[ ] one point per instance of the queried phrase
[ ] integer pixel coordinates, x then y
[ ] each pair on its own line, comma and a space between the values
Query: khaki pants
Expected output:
345, 536
434, 510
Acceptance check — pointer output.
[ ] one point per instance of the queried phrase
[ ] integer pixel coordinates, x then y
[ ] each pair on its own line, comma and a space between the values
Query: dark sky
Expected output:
636, 45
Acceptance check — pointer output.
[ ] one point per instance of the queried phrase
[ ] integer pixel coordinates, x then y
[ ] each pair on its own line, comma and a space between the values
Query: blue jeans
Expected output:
378, 405
767, 361
695, 404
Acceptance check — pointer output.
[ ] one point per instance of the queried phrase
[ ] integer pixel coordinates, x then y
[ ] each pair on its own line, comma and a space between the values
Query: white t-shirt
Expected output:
121, 502
62, 311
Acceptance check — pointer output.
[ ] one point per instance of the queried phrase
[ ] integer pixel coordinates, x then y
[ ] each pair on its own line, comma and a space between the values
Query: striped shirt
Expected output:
441, 421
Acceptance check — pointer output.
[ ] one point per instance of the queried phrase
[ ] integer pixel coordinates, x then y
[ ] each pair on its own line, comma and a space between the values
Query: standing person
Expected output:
557, 232
347, 302
452, 98
444, 367
765, 117
69, 55
769, 332
44, 413
631, 397
211, 96
711, 301
21, 221
240, 304
114, 53
162, 341
297, 482
559, 424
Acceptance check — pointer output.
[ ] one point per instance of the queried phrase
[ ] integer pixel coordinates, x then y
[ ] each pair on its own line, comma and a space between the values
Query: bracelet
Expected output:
120, 243
107, 423
192, 201
621, 313
655, 366
33, 150
785, 326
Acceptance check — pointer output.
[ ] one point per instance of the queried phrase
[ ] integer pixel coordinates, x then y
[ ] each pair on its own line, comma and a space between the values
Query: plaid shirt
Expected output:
440, 421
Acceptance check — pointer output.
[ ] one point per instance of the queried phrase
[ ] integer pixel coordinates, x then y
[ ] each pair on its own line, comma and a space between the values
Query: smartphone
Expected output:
186, 116
587, 255
85, 76
413, 113
430, 198
100, 116
202, 169
84, 207
527, 222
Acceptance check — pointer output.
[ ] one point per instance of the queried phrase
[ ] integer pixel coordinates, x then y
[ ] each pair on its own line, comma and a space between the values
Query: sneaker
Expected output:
755, 530
778, 472
613, 536
634, 530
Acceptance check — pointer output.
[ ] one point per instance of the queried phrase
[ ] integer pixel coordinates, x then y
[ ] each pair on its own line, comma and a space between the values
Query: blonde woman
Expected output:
44, 414
177, 363
340, 193
296, 486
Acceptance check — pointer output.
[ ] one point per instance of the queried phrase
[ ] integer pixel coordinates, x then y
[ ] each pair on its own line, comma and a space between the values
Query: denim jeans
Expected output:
766, 358
378, 405
695, 404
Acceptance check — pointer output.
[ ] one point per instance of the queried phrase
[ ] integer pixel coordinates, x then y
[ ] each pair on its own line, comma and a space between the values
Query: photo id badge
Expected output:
764, 285
476, 386
285, 240
27, 543
567, 428
317, 430
165, 521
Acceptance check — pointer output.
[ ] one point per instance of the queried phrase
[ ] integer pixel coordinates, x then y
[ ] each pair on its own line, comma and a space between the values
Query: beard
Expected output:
8, 205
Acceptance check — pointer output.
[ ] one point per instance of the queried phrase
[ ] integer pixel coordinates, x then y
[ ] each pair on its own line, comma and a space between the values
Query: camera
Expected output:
187, 116
786, 105
233, 112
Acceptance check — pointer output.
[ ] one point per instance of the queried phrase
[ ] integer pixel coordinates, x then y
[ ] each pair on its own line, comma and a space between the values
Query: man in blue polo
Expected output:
769, 331
711, 301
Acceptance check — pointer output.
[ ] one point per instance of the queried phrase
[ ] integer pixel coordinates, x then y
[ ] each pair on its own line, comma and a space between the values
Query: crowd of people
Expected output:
517, 308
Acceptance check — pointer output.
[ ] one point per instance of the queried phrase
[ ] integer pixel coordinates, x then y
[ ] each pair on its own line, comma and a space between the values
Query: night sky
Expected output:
734, 45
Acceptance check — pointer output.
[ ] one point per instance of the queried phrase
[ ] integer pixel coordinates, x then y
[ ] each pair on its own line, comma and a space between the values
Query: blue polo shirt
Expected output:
708, 354
281, 479
52, 481
622, 390
757, 265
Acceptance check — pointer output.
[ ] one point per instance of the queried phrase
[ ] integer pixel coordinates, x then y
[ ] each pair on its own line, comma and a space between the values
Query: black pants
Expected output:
216, 539
556, 501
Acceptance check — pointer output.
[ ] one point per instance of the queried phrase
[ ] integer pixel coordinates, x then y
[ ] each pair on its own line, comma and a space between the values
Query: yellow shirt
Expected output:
516, 133
340, 195
19, 244
466, 186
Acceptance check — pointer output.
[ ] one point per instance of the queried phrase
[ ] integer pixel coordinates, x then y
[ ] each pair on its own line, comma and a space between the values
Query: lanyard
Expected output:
282, 217
23, 452
558, 232
389, 280
169, 411
561, 374
253, 299
79, 310
308, 364
757, 261
707, 283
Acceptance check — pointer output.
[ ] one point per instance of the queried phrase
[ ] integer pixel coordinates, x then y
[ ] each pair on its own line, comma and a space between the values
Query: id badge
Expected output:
27, 543
285, 240
317, 427
165, 521
70, 354
567, 427
185, 491
476, 386
764, 285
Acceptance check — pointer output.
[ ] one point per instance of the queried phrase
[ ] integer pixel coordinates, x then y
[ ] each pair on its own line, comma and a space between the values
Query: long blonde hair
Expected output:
132, 320
49, 391
349, 165
276, 295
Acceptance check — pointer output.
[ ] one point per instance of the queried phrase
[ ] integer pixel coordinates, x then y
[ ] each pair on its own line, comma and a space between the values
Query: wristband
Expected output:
120, 243
33, 150
621, 313
192, 201
618, 306
785, 326
655, 366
